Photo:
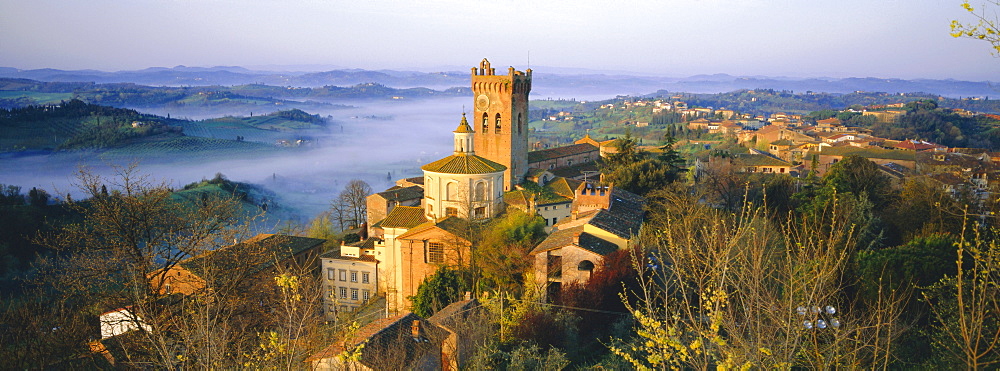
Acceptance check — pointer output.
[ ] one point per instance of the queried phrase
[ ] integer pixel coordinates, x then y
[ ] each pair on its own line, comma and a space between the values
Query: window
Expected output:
450, 191
343, 275
435, 252
498, 124
343, 293
364, 277
480, 212
168, 289
481, 191
451, 211
366, 295
554, 220
354, 276
354, 294
331, 274
486, 123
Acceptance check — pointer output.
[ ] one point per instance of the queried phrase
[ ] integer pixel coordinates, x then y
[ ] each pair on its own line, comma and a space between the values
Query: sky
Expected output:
819, 38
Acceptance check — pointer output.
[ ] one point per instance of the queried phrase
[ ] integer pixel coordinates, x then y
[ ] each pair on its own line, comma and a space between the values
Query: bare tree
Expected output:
350, 208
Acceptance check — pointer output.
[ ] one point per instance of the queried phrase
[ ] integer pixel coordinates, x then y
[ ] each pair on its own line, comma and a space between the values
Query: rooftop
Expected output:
464, 164
564, 237
405, 217
398, 193
260, 252
454, 225
868, 153
554, 153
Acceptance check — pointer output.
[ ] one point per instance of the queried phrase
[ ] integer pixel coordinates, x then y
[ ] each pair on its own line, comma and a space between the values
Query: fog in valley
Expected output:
377, 142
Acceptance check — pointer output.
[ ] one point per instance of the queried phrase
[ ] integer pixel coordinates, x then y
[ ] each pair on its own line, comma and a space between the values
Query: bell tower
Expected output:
500, 119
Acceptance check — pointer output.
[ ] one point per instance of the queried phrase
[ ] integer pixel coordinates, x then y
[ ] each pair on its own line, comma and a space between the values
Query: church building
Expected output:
490, 156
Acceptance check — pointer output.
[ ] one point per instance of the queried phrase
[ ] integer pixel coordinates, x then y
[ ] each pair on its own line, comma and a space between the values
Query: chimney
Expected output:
415, 329
576, 239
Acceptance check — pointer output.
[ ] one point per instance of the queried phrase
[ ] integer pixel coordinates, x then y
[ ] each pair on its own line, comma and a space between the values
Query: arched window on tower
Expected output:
498, 124
486, 123
520, 124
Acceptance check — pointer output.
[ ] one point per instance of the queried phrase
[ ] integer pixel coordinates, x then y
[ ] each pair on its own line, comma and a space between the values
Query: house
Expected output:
761, 163
604, 220
255, 258
605, 147
388, 250
429, 246
349, 277
119, 321
380, 204
402, 342
465, 323
918, 146
827, 156
568, 256
885, 117
563, 156
553, 201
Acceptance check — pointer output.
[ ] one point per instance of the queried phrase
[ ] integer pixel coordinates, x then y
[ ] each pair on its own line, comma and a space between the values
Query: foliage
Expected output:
925, 121
322, 227
634, 170
524, 356
721, 290
444, 287
861, 178
966, 307
919, 263
501, 254
985, 28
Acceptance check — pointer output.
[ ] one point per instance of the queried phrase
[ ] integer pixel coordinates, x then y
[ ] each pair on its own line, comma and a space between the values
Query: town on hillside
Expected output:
610, 250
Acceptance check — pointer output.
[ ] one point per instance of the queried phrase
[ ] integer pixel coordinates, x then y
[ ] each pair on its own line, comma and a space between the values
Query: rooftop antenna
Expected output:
529, 59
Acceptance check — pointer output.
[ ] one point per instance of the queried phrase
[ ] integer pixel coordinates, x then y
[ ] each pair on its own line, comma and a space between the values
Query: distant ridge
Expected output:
548, 81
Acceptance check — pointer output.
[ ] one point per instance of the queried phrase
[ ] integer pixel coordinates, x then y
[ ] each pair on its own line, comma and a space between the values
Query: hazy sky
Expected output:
842, 38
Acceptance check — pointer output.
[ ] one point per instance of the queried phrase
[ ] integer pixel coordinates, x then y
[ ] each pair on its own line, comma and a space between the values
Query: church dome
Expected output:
464, 164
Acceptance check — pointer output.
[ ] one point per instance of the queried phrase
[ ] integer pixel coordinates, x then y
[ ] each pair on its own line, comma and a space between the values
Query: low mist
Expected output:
377, 142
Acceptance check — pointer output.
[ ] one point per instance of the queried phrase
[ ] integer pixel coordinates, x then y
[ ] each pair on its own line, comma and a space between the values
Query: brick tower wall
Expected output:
506, 95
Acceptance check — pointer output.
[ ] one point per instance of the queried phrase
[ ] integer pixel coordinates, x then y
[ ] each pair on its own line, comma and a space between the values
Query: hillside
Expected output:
277, 127
16, 93
117, 133
77, 125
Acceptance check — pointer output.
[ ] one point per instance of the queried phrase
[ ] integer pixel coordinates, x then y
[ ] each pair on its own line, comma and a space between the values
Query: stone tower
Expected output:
500, 120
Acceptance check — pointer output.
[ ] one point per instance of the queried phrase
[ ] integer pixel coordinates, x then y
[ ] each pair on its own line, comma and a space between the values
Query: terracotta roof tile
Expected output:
464, 164
405, 217
553, 153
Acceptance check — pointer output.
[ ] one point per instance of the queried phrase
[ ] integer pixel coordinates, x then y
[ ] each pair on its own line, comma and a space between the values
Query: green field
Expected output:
33, 135
38, 97
265, 129
181, 148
